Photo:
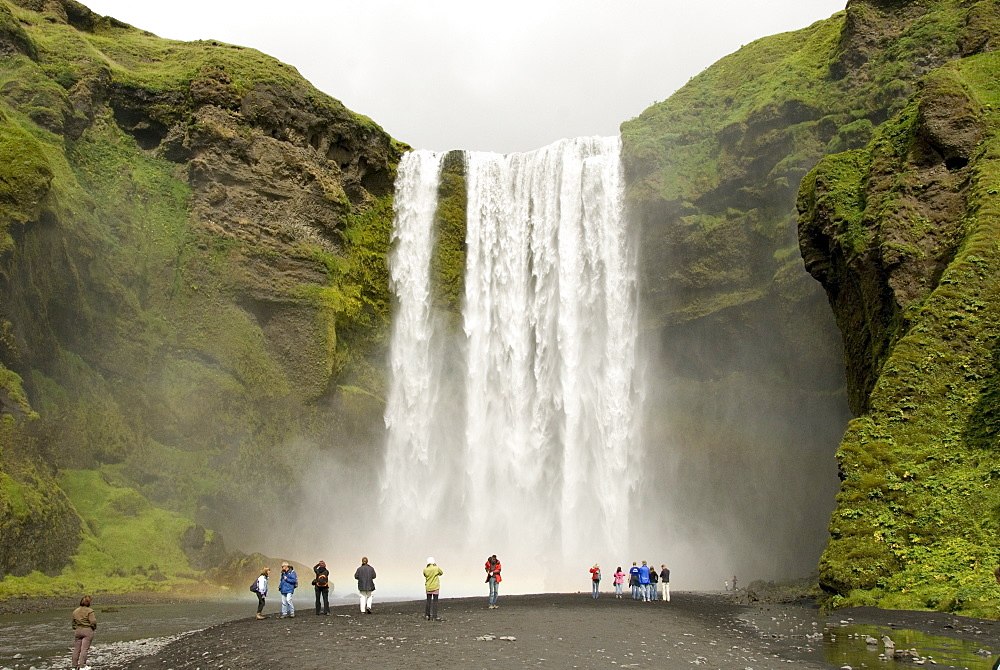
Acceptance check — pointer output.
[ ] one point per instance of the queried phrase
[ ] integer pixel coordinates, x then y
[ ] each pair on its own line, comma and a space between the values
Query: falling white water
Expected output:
516, 434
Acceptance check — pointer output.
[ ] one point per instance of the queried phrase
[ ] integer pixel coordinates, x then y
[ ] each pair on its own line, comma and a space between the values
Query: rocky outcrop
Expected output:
192, 275
901, 234
876, 266
713, 176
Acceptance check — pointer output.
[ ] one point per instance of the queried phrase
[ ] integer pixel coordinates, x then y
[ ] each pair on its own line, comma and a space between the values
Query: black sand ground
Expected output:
547, 631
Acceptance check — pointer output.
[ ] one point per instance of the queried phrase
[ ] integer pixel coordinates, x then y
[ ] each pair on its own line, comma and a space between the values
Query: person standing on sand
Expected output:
432, 585
619, 578
322, 585
289, 580
665, 583
493, 579
644, 581
633, 580
654, 579
261, 590
84, 625
734, 584
595, 580
365, 574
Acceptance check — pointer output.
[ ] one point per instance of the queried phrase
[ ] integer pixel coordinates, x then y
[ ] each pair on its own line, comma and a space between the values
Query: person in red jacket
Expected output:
595, 579
493, 579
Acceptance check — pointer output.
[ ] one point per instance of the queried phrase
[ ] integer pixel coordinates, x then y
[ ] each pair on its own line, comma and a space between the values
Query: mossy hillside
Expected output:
163, 341
25, 179
916, 518
712, 178
722, 158
127, 545
40, 528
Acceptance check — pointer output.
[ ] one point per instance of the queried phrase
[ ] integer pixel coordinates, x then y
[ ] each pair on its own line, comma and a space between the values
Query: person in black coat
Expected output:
322, 586
365, 574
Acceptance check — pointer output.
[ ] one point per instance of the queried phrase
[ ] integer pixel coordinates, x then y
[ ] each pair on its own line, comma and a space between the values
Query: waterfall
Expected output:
514, 433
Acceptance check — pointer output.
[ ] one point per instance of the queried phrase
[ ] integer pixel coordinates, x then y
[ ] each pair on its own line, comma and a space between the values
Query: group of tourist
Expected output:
641, 578
365, 576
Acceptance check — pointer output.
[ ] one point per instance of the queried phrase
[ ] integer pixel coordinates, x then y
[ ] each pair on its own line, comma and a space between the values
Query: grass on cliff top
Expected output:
140, 59
128, 545
917, 517
677, 141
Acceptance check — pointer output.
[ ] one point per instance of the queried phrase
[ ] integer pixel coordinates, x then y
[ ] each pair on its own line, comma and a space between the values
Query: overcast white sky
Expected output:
462, 74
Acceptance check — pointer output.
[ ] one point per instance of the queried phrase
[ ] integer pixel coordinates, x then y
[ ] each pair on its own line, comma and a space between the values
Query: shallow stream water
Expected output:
44, 639
843, 643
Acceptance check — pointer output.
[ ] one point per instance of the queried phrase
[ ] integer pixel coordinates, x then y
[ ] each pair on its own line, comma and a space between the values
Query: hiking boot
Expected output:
260, 616
368, 611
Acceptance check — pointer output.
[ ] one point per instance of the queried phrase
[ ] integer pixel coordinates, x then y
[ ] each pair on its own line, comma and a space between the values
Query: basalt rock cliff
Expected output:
903, 235
194, 299
193, 295
895, 93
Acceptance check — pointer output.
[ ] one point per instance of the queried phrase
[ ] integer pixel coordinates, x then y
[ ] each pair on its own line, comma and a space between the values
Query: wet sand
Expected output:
550, 630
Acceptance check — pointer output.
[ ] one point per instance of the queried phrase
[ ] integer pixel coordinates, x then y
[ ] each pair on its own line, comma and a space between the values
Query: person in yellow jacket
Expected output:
432, 584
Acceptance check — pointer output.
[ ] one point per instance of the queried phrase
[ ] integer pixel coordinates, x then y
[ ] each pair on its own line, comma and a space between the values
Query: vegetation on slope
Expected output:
909, 225
194, 291
713, 174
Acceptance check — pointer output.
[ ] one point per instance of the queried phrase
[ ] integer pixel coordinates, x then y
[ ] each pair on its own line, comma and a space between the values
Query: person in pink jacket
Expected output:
619, 580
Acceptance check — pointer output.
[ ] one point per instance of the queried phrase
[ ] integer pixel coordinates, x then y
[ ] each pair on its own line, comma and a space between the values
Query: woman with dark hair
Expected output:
493, 579
619, 579
322, 585
84, 625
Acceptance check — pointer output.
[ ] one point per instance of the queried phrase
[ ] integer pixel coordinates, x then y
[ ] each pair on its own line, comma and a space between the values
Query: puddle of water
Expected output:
846, 645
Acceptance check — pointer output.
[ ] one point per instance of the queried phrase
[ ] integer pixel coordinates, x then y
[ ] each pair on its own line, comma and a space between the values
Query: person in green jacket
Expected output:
432, 584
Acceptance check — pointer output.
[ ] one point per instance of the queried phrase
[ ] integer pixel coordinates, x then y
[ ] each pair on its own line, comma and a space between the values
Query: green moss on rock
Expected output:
917, 512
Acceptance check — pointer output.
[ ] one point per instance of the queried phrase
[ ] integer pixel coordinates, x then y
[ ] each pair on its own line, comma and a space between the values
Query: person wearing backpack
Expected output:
322, 584
595, 580
289, 580
260, 588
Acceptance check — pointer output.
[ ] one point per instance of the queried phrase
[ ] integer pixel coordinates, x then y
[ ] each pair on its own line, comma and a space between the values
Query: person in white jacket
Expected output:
261, 591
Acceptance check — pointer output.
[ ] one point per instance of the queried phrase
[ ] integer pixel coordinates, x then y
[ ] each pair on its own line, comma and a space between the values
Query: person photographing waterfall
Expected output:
595, 580
432, 585
493, 579
322, 585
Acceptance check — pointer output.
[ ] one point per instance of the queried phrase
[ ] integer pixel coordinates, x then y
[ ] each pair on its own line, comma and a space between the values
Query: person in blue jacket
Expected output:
633, 580
289, 580
644, 581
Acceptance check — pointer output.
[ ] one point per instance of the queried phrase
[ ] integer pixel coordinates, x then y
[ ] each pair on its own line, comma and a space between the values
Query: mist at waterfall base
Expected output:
541, 425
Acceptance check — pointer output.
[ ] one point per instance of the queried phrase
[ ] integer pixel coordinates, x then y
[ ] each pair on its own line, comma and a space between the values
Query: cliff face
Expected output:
902, 233
192, 270
754, 362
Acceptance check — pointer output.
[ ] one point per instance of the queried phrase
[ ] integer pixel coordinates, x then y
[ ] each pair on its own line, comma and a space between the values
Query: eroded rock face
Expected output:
879, 247
177, 287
